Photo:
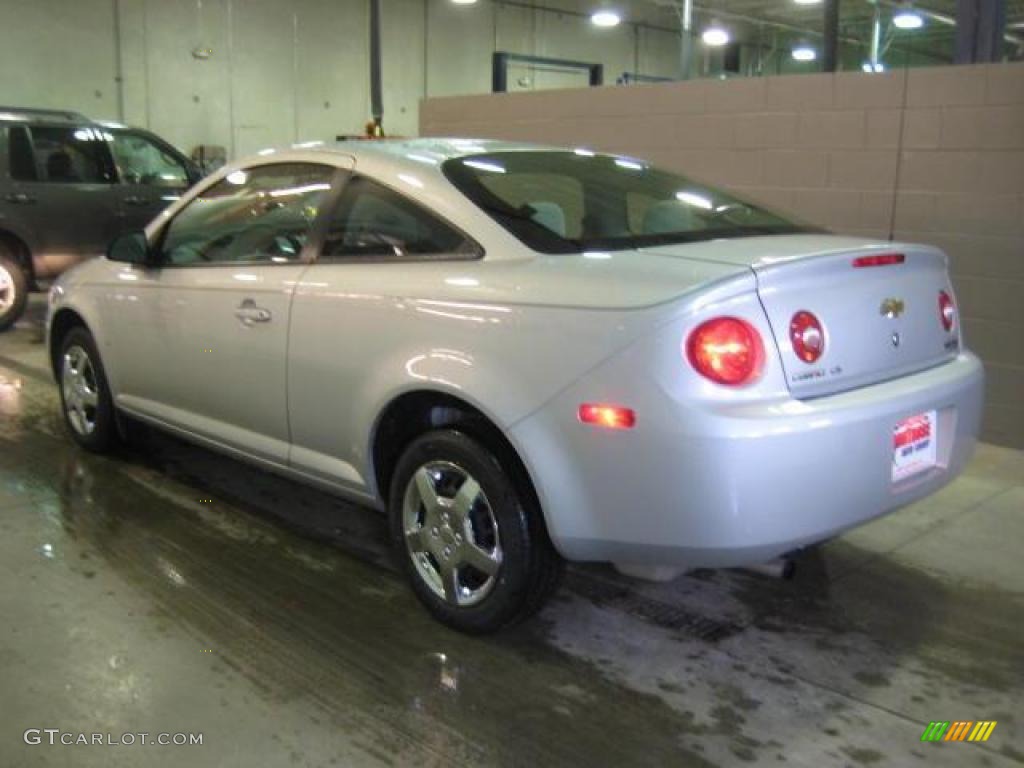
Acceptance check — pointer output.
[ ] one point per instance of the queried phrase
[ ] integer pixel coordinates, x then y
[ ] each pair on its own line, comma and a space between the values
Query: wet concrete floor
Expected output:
172, 590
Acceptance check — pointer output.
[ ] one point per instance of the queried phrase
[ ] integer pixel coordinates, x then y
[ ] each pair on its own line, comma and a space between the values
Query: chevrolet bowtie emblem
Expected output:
891, 308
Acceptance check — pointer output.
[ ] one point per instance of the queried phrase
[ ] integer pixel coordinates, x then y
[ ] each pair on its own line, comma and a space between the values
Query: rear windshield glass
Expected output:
567, 202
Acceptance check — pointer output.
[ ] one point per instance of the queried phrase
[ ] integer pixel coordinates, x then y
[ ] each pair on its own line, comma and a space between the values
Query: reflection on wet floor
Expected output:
173, 588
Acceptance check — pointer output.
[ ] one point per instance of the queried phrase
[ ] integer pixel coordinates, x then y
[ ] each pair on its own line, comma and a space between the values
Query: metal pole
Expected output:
376, 89
686, 41
876, 37
830, 57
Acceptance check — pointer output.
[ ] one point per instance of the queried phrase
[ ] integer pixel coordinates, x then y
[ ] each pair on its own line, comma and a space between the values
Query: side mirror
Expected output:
130, 248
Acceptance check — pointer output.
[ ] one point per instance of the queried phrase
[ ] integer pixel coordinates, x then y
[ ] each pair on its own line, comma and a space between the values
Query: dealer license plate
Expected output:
913, 445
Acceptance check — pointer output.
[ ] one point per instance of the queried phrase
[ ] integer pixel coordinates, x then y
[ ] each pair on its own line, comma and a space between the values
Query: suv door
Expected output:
199, 342
61, 192
152, 173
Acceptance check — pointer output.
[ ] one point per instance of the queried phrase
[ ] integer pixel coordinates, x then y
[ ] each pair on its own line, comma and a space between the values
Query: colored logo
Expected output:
959, 730
892, 308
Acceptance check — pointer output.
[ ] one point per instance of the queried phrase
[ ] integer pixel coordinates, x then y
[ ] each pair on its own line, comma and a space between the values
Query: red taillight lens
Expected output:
726, 350
808, 338
610, 416
879, 260
947, 310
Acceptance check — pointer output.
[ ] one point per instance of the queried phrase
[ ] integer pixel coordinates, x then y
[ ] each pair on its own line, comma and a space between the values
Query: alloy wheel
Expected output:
80, 389
451, 533
7, 290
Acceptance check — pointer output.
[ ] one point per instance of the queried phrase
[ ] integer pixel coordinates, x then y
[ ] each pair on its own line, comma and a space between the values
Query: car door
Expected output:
200, 340
351, 320
152, 175
61, 192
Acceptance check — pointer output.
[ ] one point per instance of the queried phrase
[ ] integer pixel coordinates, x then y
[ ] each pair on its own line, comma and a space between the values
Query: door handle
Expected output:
248, 313
20, 198
136, 200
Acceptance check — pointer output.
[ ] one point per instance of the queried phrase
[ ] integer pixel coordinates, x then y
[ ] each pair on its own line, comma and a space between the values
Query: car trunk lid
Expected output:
880, 320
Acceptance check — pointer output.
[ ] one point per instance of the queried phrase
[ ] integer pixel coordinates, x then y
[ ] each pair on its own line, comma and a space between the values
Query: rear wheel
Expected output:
84, 395
470, 540
13, 289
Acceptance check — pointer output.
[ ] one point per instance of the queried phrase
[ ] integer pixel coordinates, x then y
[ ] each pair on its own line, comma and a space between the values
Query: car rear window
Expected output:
572, 201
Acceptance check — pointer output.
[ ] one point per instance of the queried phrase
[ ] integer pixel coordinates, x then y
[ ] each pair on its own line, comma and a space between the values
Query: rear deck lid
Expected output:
880, 318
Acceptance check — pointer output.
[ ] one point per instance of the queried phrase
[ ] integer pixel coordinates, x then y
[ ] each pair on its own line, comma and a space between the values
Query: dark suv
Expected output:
68, 186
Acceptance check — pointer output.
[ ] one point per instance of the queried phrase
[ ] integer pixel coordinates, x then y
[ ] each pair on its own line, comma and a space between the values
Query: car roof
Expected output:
418, 153
35, 114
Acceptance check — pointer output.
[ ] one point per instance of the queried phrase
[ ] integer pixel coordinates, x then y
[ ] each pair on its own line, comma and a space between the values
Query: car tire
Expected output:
13, 289
449, 538
85, 398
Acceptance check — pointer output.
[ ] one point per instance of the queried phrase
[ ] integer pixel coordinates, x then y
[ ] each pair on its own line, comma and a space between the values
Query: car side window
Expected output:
140, 160
261, 214
66, 155
373, 221
20, 164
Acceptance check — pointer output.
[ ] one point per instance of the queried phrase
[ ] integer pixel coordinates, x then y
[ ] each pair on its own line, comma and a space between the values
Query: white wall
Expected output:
282, 71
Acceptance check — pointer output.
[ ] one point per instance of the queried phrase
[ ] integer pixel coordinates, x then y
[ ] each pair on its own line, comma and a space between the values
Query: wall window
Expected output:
140, 160
373, 221
262, 214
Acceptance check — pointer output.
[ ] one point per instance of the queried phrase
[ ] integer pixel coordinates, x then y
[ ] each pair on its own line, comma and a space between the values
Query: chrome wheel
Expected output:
8, 291
80, 390
451, 533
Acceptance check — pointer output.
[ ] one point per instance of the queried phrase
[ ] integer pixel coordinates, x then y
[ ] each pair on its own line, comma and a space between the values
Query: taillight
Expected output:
610, 416
879, 260
947, 310
807, 336
726, 350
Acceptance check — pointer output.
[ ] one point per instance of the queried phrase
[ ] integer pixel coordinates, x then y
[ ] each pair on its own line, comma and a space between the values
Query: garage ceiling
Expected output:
750, 19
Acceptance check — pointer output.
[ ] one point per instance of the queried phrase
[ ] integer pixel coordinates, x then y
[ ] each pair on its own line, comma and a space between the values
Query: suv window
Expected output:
260, 214
140, 160
372, 221
20, 163
63, 155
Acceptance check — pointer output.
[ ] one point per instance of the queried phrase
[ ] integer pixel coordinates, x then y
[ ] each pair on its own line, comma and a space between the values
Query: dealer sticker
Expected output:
913, 445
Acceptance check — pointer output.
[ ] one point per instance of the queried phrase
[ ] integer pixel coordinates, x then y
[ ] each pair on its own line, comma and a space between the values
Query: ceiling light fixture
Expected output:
804, 53
605, 19
715, 35
908, 19
878, 66
464, 2
806, 2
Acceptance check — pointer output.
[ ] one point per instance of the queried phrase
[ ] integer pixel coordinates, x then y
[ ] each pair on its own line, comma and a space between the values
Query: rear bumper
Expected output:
728, 485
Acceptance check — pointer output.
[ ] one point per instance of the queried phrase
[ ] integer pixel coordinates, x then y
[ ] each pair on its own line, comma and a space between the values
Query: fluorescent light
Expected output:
878, 66
605, 19
692, 198
908, 19
464, 2
715, 36
806, 2
480, 165
804, 53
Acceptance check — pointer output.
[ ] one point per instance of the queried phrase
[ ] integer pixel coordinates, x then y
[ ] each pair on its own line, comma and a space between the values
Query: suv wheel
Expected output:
474, 547
13, 289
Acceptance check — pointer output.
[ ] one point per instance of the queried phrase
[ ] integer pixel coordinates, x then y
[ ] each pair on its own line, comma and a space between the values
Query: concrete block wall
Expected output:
934, 155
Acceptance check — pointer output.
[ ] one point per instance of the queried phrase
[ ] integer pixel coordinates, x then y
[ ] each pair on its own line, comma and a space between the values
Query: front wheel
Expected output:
84, 395
472, 543
13, 289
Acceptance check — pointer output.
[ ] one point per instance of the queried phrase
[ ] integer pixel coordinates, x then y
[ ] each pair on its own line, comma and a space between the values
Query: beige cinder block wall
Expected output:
933, 155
